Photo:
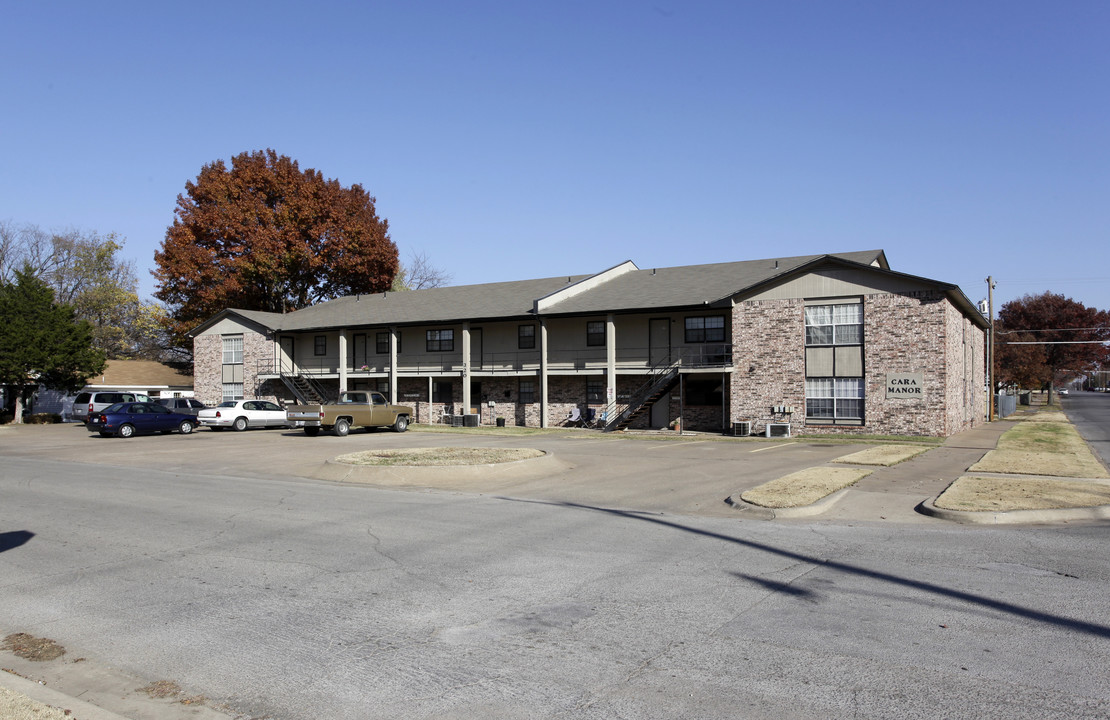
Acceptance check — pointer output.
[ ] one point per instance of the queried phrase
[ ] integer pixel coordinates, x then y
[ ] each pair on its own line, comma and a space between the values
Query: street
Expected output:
295, 599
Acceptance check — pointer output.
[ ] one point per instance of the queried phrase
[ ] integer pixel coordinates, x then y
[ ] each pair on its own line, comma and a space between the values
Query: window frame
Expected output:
595, 390
702, 328
526, 337
232, 397
319, 345
233, 353
595, 337
526, 396
838, 395
440, 340
834, 336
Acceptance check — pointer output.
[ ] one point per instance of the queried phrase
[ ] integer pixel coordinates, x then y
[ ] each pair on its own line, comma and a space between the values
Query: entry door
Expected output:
660, 411
475, 397
659, 341
286, 364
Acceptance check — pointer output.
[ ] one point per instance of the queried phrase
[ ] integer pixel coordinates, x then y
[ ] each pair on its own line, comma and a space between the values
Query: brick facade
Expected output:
914, 332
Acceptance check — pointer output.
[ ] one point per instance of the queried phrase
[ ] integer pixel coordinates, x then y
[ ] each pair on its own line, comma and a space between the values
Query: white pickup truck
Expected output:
359, 408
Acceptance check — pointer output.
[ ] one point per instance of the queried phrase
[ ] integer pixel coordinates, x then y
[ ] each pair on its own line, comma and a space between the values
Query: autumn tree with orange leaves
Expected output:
265, 235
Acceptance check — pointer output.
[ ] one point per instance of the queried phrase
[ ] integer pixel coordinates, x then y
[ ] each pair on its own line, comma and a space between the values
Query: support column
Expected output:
393, 366
544, 409
466, 367
343, 361
610, 364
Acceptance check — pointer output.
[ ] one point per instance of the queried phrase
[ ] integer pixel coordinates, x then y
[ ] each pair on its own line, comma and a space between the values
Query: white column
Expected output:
342, 361
543, 375
466, 367
393, 366
610, 361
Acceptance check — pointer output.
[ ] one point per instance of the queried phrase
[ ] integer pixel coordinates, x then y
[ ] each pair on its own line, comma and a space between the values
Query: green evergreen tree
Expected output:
42, 342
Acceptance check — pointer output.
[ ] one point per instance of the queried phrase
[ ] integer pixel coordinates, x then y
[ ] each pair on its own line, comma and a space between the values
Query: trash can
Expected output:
500, 422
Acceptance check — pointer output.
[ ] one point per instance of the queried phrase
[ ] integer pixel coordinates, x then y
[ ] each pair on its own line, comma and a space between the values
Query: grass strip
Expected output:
884, 455
991, 494
804, 487
1042, 448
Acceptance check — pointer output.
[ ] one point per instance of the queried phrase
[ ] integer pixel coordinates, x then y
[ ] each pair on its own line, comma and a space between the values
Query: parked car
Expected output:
134, 418
88, 403
185, 406
243, 414
1062, 391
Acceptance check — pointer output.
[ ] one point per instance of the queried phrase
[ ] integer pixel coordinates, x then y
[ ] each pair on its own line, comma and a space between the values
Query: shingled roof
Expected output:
624, 288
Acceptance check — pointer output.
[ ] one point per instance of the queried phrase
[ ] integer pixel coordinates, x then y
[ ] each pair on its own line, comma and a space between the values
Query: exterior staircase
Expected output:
664, 377
305, 389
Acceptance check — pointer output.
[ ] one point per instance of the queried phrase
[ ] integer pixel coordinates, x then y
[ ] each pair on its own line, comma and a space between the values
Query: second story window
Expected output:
526, 337
320, 345
381, 343
233, 349
710, 329
441, 340
595, 333
834, 324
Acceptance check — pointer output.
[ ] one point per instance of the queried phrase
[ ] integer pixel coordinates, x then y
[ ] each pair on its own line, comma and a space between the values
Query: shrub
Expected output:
42, 419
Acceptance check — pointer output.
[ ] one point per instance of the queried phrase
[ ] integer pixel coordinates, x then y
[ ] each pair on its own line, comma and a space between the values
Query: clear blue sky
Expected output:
513, 140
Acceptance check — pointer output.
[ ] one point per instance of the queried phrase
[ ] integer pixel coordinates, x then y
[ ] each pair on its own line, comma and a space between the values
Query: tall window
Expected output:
527, 391
526, 337
382, 342
320, 345
834, 363
705, 329
595, 333
441, 340
233, 349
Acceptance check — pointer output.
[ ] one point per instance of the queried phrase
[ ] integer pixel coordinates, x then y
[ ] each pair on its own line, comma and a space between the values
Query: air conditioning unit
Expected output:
778, 430
742, 428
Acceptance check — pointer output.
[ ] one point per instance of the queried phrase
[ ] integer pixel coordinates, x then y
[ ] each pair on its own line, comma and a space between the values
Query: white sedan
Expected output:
243, 414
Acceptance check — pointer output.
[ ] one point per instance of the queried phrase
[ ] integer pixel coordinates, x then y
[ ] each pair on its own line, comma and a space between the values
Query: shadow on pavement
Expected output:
14, 539
981, 600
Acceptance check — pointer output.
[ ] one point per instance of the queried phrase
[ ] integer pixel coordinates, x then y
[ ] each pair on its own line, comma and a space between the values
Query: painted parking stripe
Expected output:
774, 447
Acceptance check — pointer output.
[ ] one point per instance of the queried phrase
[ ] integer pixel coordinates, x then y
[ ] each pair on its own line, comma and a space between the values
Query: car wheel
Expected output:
240, 424
342, 427
185, 427
312, 431
402, 424
126, 431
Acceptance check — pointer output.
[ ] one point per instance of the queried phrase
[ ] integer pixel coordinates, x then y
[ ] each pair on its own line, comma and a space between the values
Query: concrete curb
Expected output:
1014, 517
77, 709
810, 510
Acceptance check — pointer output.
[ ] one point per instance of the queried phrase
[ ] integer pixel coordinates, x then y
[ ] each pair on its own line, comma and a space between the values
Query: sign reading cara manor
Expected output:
905, 385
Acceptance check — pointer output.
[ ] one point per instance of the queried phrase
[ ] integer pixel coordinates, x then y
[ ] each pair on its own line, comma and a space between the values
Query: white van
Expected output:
87, 403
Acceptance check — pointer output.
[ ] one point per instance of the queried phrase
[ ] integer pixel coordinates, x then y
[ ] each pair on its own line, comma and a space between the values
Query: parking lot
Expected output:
660, 473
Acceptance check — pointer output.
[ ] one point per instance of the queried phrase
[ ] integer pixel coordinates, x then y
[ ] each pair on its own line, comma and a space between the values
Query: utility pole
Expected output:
990, 349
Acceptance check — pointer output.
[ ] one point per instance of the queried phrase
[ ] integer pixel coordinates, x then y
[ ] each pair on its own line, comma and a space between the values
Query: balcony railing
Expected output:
686, 357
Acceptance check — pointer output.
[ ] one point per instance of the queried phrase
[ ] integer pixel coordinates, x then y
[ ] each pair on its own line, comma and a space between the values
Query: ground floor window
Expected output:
832, 399
527, 391
233, 391
595, 391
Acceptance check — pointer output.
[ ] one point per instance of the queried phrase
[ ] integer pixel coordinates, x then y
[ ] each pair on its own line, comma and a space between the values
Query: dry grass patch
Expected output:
437, 457
17, 706
987, 494
804, 487
1042, 448
884, 455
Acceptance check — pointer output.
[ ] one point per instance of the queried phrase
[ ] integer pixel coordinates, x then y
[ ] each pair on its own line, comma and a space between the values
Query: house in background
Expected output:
148, 377
836, 343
